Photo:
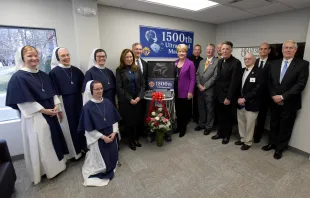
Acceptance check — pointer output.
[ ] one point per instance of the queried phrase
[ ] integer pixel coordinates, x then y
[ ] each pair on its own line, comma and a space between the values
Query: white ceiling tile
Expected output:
270, 9
297, 4
249, 4
219, 14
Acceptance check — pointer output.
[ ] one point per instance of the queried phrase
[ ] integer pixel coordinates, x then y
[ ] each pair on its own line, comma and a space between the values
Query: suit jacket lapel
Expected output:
211, 62
289, 70
127, 73
202, 68
278, 70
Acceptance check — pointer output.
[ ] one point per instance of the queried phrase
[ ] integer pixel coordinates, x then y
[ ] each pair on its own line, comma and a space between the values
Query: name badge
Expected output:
252, 80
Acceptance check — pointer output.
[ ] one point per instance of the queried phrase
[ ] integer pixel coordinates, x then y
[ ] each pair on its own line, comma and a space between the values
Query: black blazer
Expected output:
264, 77
251, 90
293, 82
228, 77
145, 70
123, 85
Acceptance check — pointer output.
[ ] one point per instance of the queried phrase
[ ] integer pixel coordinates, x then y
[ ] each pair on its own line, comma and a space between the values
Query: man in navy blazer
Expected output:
249, 99
288, 78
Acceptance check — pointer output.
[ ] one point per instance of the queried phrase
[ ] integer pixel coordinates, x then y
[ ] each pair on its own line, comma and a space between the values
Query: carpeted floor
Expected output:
192, 166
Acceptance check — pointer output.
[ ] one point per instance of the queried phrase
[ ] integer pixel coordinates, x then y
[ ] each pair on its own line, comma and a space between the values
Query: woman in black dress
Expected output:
130, 89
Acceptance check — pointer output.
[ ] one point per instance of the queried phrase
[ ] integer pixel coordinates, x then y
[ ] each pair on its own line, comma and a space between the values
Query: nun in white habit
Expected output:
32, 93
99, 121
68, 81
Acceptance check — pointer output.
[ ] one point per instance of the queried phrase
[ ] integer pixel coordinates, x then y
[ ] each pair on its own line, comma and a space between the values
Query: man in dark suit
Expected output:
288, 78
263, 63
143, 66
195, 58
248, 101
226, 88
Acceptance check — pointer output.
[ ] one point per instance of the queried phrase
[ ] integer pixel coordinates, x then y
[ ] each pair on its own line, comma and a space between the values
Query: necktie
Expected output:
283, 70
261, 64
206, 65
139, 65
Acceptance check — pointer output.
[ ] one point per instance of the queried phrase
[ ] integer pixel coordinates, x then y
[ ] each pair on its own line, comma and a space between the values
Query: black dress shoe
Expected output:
239, 143
181, 134
198, 128
216, 137
132, 146
225, 141
268, 147
137, 144
168, 138
207, 132
277, 154
245, 147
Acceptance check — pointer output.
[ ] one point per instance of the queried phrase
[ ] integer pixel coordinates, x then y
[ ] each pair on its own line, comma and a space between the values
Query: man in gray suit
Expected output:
205, 79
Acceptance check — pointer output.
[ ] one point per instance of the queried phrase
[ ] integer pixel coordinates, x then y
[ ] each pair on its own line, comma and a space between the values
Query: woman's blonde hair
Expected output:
182, 47
28, 48
123, 65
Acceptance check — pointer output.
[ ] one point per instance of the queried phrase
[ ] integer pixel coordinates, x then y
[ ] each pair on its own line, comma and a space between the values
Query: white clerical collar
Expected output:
29, 70
96, 101
100, 67
63, 66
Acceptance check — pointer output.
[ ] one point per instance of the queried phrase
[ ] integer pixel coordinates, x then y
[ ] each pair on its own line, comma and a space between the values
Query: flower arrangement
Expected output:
158, 118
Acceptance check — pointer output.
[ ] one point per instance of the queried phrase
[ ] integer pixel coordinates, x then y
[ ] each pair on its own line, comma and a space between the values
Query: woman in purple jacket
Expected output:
184, 87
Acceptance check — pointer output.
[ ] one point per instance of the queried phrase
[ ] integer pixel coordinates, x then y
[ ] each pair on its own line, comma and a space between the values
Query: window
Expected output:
12, 38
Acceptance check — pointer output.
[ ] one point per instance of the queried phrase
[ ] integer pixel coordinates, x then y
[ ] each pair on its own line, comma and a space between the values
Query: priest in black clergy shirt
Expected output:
195, 58
68, 81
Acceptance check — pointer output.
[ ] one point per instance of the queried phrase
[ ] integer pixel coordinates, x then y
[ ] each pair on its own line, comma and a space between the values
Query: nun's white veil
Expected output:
19, 63
92, 61
55, 62
87, 94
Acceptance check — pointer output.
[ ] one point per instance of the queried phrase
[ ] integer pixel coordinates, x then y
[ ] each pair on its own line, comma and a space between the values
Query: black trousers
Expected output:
195, 111
261, 119
132, 133
183, 113
225, 119
281, 125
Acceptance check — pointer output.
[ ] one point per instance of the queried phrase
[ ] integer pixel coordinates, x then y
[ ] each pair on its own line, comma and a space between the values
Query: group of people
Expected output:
67, 115
230, 94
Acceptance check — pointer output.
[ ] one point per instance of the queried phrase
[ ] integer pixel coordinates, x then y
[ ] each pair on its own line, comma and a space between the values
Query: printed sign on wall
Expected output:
162, 42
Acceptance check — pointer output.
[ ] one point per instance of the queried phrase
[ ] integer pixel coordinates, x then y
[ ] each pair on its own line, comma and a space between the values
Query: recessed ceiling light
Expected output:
192, 5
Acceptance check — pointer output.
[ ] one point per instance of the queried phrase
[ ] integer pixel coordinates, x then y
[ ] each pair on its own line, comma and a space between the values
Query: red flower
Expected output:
156, 124
148, 120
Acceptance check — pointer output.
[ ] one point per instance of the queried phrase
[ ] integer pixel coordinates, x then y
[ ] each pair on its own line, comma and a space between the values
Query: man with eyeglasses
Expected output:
248, 101
288, 78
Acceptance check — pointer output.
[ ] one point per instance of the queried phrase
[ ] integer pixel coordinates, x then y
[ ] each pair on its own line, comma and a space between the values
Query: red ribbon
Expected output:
158, 96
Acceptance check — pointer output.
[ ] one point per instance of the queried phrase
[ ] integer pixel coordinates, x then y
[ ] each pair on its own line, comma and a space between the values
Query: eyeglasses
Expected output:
100, 57
99, 89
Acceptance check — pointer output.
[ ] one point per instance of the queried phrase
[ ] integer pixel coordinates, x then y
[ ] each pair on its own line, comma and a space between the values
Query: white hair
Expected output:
290, 41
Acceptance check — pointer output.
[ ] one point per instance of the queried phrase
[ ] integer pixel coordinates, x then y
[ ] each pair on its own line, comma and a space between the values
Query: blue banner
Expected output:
156, 84
162, 42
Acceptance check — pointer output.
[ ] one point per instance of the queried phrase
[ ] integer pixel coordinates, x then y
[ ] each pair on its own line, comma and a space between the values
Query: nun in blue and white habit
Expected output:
99, 121
68, 82
98, 71
31, 92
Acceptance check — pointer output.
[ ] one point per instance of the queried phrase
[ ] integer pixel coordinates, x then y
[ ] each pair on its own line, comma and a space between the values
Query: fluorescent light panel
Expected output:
192, 5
